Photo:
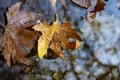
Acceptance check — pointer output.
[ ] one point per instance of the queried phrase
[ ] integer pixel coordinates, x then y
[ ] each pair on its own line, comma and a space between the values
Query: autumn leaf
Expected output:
93, 6
61, 40
55, 37
47, 35
10, 14
96, 6
17, 40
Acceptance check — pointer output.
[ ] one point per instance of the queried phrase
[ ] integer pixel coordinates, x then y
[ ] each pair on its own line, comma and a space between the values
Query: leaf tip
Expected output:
77, 44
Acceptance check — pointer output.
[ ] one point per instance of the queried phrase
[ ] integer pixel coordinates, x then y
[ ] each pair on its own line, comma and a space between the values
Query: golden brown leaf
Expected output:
47, 35
56, 37
61, 39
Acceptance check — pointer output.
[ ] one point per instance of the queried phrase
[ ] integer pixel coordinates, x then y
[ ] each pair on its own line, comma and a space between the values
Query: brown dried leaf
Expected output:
17, 40
61, 39
96, 6
16, 17
93, 6
14, 8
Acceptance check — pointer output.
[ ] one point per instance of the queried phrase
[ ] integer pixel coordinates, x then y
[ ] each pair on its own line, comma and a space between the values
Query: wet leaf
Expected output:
56, 37
96, 6
61, 40
93, 6
17, 40
47, 35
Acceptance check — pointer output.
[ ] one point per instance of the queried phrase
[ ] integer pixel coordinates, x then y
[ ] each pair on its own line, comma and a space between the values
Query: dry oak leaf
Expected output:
47, 35
17, 40
62, 40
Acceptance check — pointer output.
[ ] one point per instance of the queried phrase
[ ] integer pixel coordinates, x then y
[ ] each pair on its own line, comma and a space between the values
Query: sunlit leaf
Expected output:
47, 35
58, 36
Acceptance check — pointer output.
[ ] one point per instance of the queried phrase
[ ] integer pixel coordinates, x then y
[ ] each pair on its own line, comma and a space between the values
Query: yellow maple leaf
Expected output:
47, 35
